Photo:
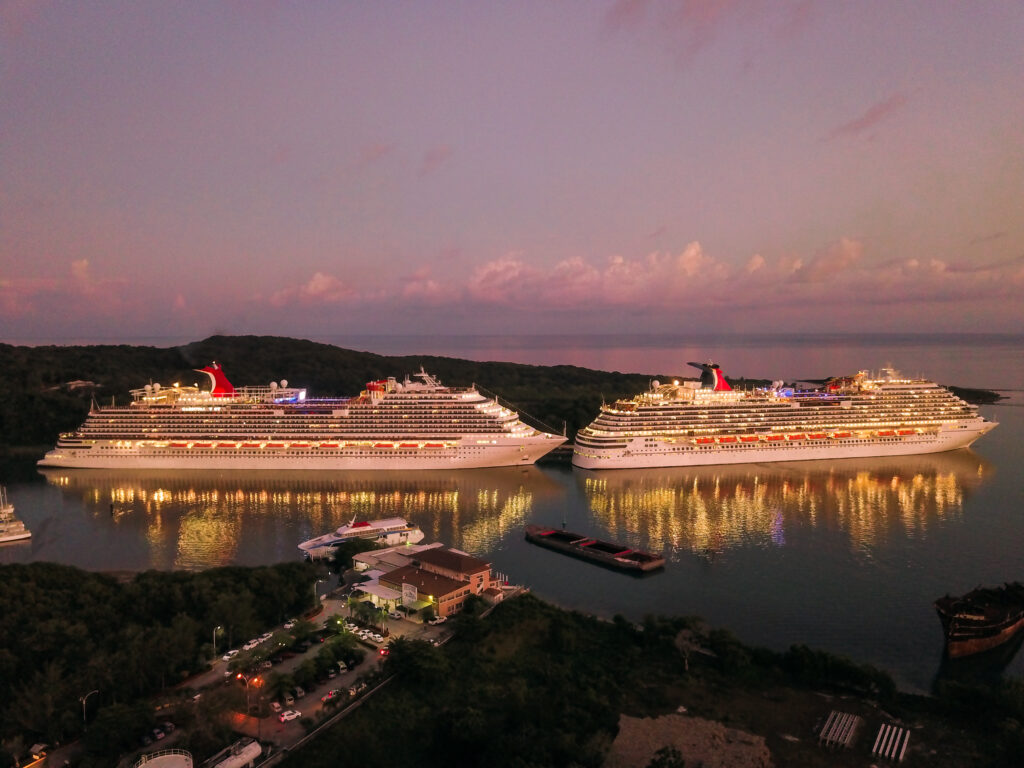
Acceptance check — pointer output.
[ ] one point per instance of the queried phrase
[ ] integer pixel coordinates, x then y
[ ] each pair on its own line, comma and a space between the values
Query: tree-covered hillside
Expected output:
47, 390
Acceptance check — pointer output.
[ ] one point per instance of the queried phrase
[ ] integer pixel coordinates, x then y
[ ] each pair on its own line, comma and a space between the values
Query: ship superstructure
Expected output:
414, 424
708, 422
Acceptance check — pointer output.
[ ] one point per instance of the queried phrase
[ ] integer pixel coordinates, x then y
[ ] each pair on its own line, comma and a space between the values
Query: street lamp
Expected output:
257, 681
215, 641
316, 597
84, 699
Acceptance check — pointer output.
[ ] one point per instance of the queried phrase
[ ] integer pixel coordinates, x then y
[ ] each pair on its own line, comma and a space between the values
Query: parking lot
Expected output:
347, 683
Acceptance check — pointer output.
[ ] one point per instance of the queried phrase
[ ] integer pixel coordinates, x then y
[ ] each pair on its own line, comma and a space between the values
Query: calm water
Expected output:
845, 556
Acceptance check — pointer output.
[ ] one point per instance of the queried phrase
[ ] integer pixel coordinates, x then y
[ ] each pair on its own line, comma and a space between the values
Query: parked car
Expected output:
438, 620
384, 651
229, 655
158, 734
289, 624
332, 673
250, 645
331, 695
276, 706
265, 664
395, 615
265, 636
342, 666
167, 726
299, 693
288, 699
289, 714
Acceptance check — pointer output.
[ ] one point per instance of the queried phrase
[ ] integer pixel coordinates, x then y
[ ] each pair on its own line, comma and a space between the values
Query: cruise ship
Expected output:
414, 424
388, 532
707, 422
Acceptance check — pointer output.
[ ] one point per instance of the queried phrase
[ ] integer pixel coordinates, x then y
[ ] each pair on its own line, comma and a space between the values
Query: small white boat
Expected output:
11, 528
388, 532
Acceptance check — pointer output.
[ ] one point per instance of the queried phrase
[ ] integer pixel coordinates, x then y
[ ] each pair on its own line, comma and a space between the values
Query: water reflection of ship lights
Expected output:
713, 509
193, 520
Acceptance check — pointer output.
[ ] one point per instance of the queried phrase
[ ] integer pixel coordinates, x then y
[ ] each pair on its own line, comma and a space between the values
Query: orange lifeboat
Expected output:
727, 439
202, 445
409, 445
299, 445
179, 445
383, 445
750, 439
796, 437
328, 445
907, 432
816, 436
704, 440
275, 445
886, 433
840, 434
433, 445
773, 438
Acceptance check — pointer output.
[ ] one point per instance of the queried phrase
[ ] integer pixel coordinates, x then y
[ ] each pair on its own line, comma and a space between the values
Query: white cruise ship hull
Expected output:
117, 455
688, 454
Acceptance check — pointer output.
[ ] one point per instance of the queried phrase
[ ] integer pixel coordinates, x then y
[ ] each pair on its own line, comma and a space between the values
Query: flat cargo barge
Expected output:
588, 548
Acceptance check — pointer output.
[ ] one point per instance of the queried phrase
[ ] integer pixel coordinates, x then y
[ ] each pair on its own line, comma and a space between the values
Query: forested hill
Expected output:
48, 390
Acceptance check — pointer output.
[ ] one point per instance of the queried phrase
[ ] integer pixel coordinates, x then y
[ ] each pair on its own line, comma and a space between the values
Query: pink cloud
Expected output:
422, 288
874, 115
830, 262
320, 289
434, 158
371, 153
15, 15
684, 27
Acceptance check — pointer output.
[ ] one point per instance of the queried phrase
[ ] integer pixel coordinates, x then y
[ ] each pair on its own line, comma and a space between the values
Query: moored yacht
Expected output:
388, 532
11, 528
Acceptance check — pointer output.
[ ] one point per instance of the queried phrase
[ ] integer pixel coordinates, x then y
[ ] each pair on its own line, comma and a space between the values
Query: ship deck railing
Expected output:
529, 420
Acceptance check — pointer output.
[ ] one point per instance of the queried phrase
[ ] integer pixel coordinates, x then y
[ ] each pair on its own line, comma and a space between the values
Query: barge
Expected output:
983, 619
605, 553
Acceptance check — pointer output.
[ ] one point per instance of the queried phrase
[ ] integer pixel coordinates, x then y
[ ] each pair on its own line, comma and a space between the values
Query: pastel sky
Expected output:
308, 168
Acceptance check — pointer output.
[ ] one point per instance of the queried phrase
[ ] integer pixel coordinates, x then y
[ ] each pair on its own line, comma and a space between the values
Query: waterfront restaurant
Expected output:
420, 588
456, 565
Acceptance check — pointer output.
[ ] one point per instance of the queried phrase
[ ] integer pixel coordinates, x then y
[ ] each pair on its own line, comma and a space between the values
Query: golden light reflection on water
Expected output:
711, 509
193, 520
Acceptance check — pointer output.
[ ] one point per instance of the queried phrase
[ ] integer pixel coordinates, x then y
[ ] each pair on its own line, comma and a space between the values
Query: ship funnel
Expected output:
711, 377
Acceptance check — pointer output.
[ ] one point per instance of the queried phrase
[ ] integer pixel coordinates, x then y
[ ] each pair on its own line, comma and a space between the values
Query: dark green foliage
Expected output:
65, 632
667, 757
996, 712
536, 687
343, 553
807, 666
